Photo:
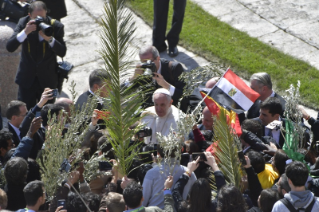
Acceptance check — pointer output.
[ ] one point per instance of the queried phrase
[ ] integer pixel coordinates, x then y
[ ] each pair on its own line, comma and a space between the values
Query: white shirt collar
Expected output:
159, 71
272, 94
16, 130
99, 98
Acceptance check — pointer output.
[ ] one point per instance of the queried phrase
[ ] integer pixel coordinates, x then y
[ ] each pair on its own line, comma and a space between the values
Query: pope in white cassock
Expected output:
161, 116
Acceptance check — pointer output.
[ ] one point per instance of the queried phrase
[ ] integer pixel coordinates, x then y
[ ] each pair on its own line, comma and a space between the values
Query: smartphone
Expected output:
202, 156
241, 157
61, 202
105, 166
54, 92
38, 114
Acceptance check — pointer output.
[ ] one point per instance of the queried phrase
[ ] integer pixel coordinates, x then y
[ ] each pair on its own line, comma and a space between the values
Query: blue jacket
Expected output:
24, 148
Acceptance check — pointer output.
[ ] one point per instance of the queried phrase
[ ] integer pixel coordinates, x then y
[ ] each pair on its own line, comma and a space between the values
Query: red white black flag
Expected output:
233, 92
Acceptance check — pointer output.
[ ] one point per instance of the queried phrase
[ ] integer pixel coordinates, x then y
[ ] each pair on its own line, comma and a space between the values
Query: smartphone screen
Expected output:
61, 202
38, 114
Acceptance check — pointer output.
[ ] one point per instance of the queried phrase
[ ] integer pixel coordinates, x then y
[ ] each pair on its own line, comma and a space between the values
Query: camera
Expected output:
144, 132
13, 10
150, 67
41, 25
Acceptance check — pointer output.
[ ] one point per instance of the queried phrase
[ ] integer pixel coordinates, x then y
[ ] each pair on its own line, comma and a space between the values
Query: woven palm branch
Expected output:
58, 148
124, 107
226, 152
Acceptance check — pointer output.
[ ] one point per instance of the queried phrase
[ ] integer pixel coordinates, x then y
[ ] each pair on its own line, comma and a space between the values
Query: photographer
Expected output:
165, 75
42, 40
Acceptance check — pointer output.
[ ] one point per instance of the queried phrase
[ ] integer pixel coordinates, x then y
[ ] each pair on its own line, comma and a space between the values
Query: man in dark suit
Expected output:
160, 22
16, 112
166, 76
270, 111
261, 83
98, 84
37, 68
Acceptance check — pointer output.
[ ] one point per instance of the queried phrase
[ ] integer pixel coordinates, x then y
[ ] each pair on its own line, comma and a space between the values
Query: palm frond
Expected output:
226, 152
116, 34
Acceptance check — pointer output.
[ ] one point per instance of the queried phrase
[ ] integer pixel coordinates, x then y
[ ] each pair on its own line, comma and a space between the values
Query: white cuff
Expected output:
127, 83
21, 36
52, 43
171, 90
93, 128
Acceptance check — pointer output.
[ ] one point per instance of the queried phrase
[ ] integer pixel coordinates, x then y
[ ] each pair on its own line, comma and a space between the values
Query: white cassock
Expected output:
160, 124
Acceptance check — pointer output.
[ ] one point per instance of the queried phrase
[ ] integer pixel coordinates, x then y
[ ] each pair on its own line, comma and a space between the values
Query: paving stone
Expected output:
247, 21
220, 7
290, 45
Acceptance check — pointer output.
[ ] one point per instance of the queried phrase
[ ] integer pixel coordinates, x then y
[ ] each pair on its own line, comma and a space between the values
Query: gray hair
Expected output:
262, 78
149, 49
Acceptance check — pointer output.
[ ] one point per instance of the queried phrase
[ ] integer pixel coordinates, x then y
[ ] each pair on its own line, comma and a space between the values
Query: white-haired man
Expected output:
161, 116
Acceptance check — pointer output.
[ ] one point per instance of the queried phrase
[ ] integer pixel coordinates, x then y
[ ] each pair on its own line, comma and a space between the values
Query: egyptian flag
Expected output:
233, 92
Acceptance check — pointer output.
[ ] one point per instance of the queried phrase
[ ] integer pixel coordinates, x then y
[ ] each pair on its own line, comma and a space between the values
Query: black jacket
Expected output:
38, 59
15, 196
182, 181
254, 185
253, 112
170, 73
314, 128
15, 137
38, 137
56, 8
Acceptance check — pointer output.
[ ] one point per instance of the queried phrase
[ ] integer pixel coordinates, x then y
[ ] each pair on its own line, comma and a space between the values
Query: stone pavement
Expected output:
82, 33
291, 26
82, 39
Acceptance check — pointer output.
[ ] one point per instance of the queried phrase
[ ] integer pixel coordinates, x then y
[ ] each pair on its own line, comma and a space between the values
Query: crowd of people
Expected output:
154, 181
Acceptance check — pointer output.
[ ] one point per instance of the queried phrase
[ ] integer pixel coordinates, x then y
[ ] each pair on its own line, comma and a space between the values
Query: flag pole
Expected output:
208, 93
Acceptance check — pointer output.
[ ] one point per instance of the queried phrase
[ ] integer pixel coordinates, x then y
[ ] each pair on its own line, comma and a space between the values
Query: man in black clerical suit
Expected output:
38, 62
261, 83
166, 76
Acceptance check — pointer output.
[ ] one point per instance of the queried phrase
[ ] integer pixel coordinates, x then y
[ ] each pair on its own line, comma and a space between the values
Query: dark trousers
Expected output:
160, 22
31, 96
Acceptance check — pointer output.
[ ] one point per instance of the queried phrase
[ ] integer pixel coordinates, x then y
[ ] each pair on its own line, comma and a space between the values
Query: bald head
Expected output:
207, 119
65, 103
212, 82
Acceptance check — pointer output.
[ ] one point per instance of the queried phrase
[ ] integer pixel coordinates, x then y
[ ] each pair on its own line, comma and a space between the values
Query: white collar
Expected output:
159, 71
99, 98
16, 130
